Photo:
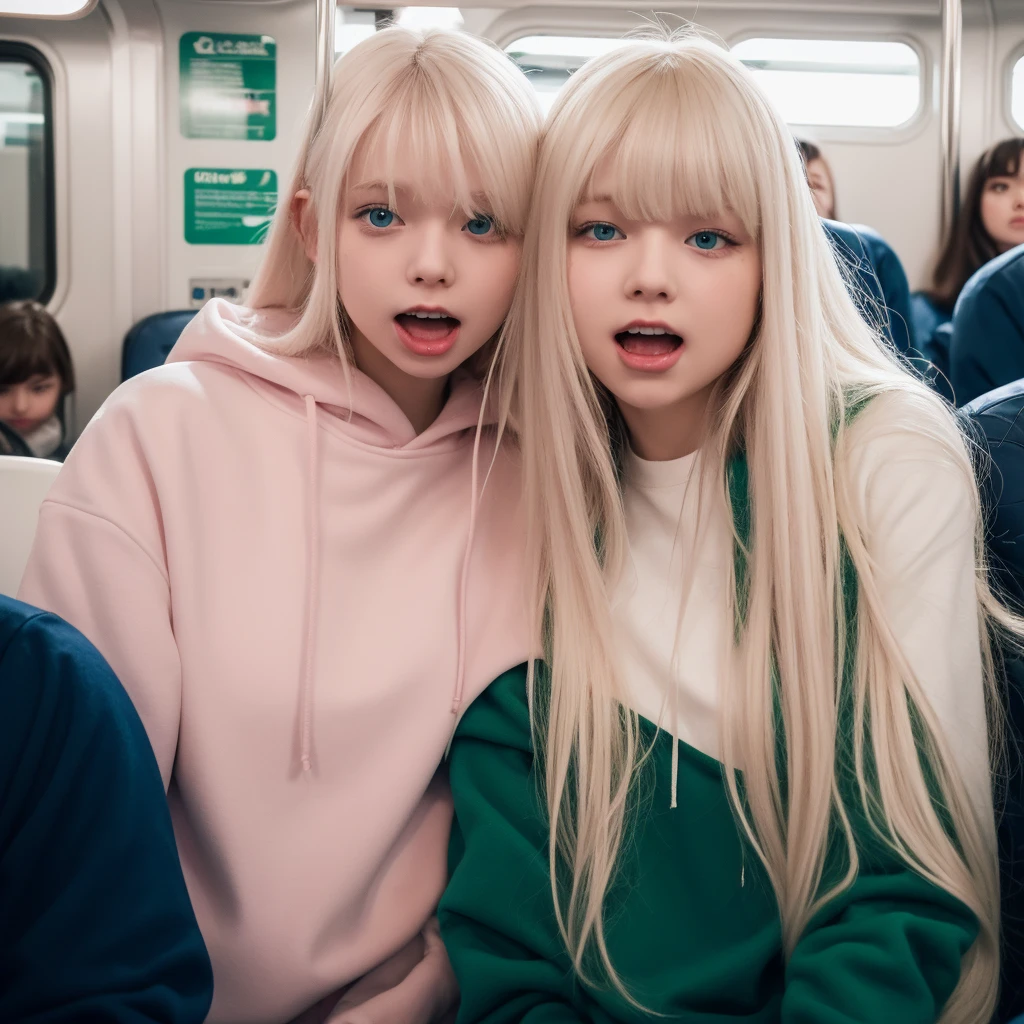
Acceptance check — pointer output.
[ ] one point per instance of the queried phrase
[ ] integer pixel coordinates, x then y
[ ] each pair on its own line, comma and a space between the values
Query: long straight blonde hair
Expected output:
449, 100
689, 131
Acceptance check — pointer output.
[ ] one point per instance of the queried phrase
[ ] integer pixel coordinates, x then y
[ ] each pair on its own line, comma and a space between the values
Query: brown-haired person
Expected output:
819, 178
36, 375
990, 222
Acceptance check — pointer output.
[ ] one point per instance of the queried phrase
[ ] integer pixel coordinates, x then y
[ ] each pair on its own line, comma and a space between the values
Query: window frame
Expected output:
854, 132
88, 8
23, 53
1016, 56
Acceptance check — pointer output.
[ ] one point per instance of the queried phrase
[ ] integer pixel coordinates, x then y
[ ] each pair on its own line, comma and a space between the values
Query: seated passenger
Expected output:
302, 554
751, 782
36, 375
882, 289
987, 347
819, 177
95, 919
990, 222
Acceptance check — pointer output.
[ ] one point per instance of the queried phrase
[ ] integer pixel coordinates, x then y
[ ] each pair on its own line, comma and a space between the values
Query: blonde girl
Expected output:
751, 782
282, 546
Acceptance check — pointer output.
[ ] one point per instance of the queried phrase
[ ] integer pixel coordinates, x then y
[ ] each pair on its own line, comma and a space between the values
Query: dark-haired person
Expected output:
36, 375
95, 920
990, 222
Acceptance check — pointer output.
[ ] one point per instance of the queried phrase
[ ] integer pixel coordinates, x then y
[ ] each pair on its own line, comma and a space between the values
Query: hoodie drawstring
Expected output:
460, 668
675, 744
312, 588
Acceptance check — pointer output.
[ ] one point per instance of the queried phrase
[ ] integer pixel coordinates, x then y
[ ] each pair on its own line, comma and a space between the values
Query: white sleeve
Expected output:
920, 518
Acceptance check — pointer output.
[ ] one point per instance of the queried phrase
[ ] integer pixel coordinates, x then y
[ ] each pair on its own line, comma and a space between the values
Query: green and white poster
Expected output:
228, 86
227, 206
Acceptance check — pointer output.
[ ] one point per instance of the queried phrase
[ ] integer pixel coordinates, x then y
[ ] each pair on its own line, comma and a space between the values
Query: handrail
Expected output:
949, 110
326, 13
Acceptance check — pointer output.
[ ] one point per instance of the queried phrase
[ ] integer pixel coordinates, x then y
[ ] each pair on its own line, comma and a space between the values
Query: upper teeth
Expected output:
427, 316
647, 330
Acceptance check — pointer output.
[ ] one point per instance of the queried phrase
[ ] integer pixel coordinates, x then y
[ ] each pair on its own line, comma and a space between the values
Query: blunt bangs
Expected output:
453, 131
1004, 161
673, 141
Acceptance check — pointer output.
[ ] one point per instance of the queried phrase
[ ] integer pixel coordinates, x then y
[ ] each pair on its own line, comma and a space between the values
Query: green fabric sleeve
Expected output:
888, 949
495, 915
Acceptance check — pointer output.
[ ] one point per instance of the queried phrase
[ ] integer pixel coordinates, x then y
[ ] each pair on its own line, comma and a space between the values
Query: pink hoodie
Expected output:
297, 591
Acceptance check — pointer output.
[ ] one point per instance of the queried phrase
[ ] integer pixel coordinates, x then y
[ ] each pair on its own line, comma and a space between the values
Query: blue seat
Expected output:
987, 348
150, 341
996, 421
926, 318
879, 275
934, 360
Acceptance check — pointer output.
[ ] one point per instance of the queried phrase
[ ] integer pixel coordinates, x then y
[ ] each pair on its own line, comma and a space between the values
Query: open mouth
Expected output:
648, 341
427, 333
427, 326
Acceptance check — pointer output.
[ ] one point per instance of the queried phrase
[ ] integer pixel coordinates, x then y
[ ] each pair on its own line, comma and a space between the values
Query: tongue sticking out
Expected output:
649, 345
427, 330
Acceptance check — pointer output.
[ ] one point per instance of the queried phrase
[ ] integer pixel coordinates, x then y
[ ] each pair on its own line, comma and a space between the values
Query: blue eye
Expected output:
708, 240
481, 224
601, 232
379, 217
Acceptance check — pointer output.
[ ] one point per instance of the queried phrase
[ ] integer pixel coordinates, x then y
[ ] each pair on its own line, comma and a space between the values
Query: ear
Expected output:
303, 222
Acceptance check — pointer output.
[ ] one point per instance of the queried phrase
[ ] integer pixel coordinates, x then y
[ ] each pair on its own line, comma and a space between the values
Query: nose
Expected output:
21, 398
431, 261
652, 275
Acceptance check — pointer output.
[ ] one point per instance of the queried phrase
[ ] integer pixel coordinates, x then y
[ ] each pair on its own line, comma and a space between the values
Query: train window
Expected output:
850, 83
430, 17
27, 256
354, 24
47, 8
1017, 93
548, 61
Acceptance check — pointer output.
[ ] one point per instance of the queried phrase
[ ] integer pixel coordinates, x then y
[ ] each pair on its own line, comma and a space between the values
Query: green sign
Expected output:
228, 207
227, 87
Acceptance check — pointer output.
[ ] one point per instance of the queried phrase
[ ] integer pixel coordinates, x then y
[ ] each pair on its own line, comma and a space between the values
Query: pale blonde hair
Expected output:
689, 131
449, 100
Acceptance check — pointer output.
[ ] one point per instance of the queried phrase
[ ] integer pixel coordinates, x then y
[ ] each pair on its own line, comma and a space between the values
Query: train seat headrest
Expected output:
150, 341
878, 276
24, 483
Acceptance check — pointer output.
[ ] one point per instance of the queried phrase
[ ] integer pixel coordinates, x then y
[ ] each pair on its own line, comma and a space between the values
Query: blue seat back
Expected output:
996, 420
933, 360
987, 349
150, 341
926, 318
881, 286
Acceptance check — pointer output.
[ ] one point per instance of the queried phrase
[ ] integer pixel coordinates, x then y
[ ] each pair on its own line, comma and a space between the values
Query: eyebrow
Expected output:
597, 199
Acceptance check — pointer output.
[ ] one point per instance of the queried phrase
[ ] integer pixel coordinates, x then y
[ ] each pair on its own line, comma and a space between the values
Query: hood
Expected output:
243, 339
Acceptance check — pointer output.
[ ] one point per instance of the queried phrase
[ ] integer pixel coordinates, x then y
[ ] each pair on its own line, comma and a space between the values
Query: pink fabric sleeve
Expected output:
97, 561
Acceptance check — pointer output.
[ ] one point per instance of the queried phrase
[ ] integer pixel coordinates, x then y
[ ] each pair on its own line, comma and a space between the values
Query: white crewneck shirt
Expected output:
920, 535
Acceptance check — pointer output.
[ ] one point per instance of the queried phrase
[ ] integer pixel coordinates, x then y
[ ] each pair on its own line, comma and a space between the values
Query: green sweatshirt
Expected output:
692, 924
